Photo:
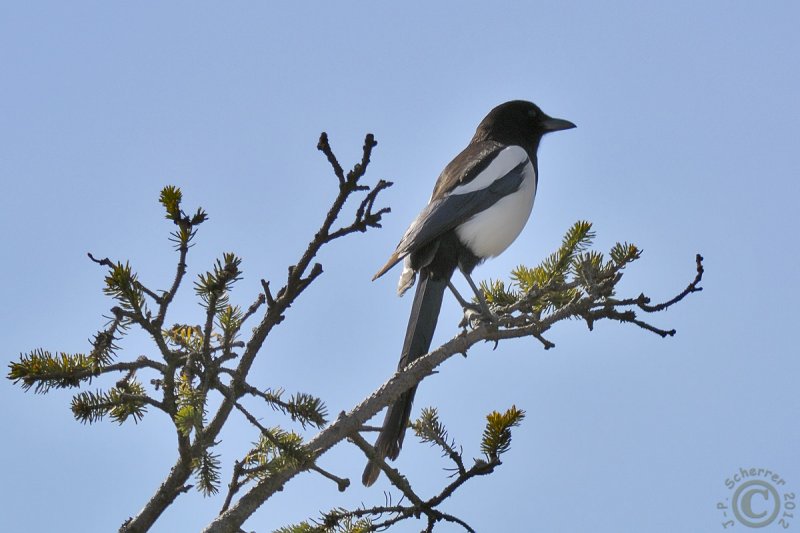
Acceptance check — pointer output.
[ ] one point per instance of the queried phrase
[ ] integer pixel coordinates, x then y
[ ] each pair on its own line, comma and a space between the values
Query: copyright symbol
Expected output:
756, 503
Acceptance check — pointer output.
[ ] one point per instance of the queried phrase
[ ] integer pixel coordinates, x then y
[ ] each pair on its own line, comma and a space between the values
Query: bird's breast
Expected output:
491, 231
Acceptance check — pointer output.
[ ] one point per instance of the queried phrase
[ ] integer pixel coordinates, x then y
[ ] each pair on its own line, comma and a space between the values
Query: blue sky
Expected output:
687, 142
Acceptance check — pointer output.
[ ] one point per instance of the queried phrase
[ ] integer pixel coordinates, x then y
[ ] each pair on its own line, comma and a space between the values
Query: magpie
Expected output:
479, 205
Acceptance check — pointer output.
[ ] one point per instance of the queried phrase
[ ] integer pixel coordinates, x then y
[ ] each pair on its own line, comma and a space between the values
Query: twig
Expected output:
180, 272
692, 287
252, 309
233, 486
394, 476
324, 146
108, 263
341, 483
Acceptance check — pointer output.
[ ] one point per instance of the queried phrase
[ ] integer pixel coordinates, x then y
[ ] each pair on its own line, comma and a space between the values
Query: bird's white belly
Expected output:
490, 232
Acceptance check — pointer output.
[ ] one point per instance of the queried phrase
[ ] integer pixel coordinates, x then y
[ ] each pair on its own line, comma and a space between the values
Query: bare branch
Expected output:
365, 218
692, 287
180, 272
394, 476
253, 308
324, 146
234, 485
341, 483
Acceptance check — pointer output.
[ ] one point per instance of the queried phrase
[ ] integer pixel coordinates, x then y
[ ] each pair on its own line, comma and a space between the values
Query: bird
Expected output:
480, 204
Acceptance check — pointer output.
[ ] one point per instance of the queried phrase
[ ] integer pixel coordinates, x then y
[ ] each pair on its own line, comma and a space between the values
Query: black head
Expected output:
518, 122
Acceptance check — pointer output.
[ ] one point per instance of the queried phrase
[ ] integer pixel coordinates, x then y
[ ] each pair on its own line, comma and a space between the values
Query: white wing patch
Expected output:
504, 162
490, 232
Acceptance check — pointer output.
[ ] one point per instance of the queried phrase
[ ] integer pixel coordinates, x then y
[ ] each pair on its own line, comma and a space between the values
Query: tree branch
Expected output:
297, 281
345, 426
589, 295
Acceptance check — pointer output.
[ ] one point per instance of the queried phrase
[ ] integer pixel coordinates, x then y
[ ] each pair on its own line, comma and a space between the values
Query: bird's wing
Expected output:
498, 175
466, 166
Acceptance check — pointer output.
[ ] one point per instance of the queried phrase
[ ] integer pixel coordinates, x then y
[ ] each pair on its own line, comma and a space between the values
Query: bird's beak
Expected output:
556, 124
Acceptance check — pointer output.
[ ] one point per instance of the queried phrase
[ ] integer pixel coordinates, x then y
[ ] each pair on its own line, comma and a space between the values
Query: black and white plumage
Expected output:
480, 204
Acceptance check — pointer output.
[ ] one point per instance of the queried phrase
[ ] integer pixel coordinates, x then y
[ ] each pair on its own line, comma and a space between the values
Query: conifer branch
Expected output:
428, 428
298, 280
171, 198
495, 442
574, 282
538, 318
43, 370
107, 263
301, 407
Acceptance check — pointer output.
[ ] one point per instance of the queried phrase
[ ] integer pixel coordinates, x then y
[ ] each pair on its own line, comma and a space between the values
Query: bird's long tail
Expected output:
421, 325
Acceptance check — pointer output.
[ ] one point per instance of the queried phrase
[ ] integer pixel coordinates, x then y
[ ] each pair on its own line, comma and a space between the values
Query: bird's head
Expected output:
519, 122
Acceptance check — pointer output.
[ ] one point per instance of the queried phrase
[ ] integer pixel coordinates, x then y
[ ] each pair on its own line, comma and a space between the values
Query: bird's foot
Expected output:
476, 316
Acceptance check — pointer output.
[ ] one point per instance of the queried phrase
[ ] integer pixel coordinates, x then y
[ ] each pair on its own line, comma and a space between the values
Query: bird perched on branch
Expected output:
480, 204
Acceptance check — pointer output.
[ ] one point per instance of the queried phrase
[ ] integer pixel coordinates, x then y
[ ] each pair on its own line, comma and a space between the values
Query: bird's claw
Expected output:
474, 317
